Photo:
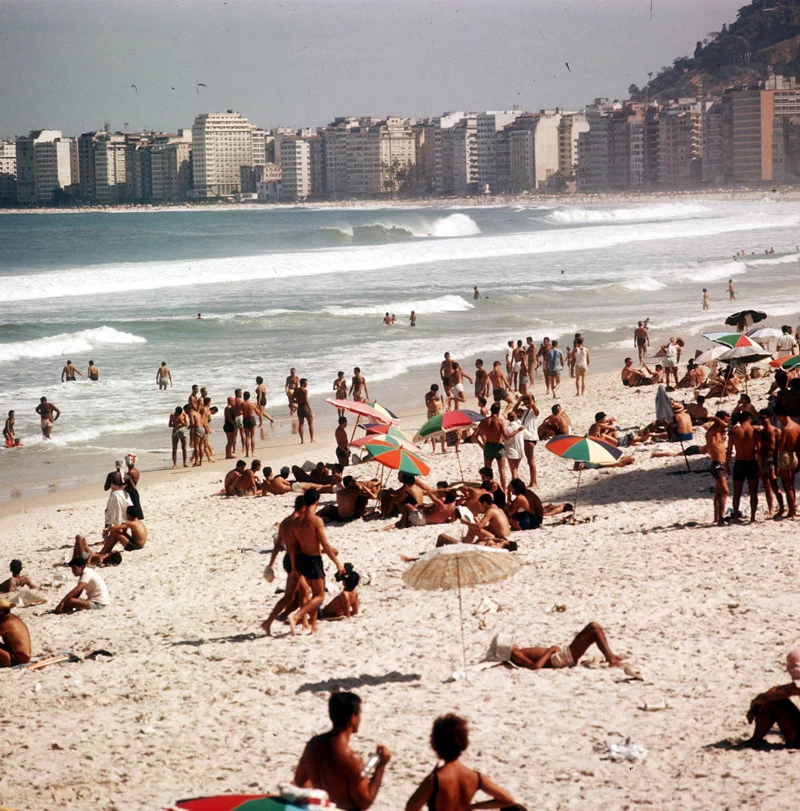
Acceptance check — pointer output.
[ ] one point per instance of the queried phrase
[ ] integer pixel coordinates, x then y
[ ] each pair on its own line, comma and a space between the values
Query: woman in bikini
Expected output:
452, 786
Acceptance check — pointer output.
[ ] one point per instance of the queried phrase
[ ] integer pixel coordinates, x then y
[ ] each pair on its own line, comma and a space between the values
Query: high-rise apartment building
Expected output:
425, 149
680, 145
456, 139
712, 143
488, 125
8, 171
535, 148
569, 129
295, 168
221, 144
111, 168
171, 169
45, 162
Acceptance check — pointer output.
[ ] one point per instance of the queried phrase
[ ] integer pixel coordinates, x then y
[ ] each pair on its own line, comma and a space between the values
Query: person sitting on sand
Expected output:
745, 404
441, 511
697, 410
723, 386
320, 474
249, 484
17, 579
15, 640
328, 762
557, 424
603, 428
568, 656
131, 536
276, 485
633, 377
680, 429
492, 529
410, 492
524, 508
345, 603
453, 786
231, 477
695, 376
89, 583
351, 501
775, 706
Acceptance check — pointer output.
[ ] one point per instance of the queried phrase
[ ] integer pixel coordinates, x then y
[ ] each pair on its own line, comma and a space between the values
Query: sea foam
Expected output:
66, 343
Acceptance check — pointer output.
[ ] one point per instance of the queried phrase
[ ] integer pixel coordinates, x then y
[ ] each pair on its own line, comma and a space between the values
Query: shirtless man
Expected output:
491, 529
194, 399
303, 408
489, 435
716, 447
250, 412
9, 434
482, 387
231, 477
309, 533
68, 373
435, 404
441, 511
163, 376
131, 536
358, 386
93, 373
351, 501
745, 404
557, 424
787, 456
292, 382
342, 443
500, 385
445, 371
49, 414
603, 428
745, 440
15, 641
261, 402
197, 433
697, 411
457, 383
768, 460
641, 340
731, 291
569, 656
275, 485
330, 764
541, 360
17, 579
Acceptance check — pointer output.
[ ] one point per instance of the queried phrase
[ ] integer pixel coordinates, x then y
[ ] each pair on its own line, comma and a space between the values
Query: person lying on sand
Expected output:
568, 656
89, 583
453, 786
321, 474
328, 762
15, 641
345, 603
351, 502
775, 706
441, 511
275, 485
17, 579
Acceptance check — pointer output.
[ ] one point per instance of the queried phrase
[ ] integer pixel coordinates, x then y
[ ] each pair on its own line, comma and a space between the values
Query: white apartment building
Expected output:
171, 170
260, 138
110, 168
295, 168
8, 171
488, 125
221, 143
443, 146
45, 162
534, 150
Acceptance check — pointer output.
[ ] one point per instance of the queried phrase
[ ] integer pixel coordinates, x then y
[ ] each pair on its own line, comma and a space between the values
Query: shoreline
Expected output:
488, 201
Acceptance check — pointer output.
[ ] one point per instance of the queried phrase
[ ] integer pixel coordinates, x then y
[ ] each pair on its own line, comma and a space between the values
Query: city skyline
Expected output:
303, 64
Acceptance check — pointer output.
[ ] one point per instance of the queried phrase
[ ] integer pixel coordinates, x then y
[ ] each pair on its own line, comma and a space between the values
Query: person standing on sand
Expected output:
163, 376
787, 457
261, 402
527, 417
309, 533
342, 443
568, 656
249, 414
716, 447
15, 640
482, 387
435, 404
767, 459
582, 360
706, 299
229, 428
745, 440
775, 706
500, 384
541, 359
179, 423
196, 434
457, 381
340, 389
93, 373
358, 386
641, 340
555, 365
453, 786
731, 291
490, 436
303, 408
68, 373
292, 382
48, 414
445, 372
328, 762
672, 357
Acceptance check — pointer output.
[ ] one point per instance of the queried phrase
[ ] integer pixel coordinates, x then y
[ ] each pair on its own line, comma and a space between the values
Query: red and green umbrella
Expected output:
381, 409
583, 449
733, 340
237, 802
391, 433
447, 421
786, 362
374, 444
403, 460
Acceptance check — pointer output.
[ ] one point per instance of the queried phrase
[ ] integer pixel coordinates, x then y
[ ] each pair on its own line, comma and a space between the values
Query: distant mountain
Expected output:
764, 38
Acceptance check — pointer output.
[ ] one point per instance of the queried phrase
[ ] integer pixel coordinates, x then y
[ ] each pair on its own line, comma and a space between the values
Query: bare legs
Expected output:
309, 609
783, 713
787, 479
752, 489
530, 448
592, 634
720, 499
175, 440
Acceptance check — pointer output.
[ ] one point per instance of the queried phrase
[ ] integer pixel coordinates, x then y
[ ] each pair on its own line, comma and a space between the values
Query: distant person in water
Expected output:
199, 317
163, 376
48, 414
731, 290
68, 373
9, 434
93, 373
475, 293
412, 319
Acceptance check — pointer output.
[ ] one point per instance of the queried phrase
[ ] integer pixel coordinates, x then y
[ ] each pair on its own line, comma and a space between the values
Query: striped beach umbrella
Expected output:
391, 432
236, 802
374, 444
786, 362
404, 461
447, 421
733, 340
361, 409
587, 451
381, 409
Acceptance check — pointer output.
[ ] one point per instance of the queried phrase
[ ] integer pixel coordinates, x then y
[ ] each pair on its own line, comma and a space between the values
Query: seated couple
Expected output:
131, 537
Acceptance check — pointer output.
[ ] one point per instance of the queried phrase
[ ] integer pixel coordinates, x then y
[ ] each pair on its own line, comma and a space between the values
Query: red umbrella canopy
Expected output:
362, 409
237, 802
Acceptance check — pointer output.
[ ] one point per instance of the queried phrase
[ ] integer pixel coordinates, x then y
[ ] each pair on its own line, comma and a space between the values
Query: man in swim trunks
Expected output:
131, 535
309, 533
557, 424
93, 373
680, 429
328, 762
768, 462
358, 386
555, 365
435, 404
9, 434
15, 641
303, 408
231, 477
49, 414
787, 455
163, 376
500, 385
248, 484
351, 501
249, 422
745, 440
292, 382
489, 435
716, 447
633, 377
261, 402
68, 373
197, 433
457, 376
342, 443
641, 340
445, 370
482, 387
697, 410
491, 529
568, 656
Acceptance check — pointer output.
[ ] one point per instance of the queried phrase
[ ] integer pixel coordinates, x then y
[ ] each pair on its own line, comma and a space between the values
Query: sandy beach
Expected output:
195, 700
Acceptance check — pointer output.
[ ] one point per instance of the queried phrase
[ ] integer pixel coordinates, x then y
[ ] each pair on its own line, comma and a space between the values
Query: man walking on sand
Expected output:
489, 435
745, 440
641, 340
303, 408
306, 558
49, 414
555, 365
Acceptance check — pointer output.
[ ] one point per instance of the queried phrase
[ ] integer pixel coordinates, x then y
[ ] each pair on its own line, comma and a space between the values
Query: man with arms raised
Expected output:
15, 641
328, 762
306, 558
49, 414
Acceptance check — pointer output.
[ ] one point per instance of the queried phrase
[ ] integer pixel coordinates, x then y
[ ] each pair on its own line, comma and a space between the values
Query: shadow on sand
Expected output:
352, 682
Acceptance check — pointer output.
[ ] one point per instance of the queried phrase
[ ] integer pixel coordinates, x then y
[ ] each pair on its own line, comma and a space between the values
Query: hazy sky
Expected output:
70, 65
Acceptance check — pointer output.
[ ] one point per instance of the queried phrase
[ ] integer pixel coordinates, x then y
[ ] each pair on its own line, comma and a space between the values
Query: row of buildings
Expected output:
747, 136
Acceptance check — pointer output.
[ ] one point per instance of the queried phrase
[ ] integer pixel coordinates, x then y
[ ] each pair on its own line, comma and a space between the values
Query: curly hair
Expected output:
449, 737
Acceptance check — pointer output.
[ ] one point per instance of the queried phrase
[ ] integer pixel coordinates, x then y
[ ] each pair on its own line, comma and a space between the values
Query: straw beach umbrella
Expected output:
460, 566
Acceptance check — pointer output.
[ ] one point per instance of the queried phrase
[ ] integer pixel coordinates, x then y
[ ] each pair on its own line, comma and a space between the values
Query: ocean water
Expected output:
308, 287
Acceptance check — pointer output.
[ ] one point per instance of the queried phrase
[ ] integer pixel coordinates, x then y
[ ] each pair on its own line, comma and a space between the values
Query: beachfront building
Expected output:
680, 145
251, 176
45, 164
8, 171
712, 172
569, 129
111, 168
260, 138
747, 123
425, 151
488, 125
221, 144
534, 149
456, 143
295, 169
171, 168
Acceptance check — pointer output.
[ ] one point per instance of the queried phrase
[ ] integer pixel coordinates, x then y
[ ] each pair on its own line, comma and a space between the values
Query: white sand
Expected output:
706, 614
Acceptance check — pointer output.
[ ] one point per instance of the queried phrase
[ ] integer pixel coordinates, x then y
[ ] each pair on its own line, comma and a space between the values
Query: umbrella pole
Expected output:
358, 417
461, 617
460, 469
685, 458
577, 491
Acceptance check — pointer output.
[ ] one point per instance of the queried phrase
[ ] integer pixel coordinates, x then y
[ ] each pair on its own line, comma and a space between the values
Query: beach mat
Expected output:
38, 664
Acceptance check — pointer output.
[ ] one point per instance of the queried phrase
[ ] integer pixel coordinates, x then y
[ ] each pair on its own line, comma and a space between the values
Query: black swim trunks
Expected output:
287, 564
527, 520
744, 469
341, 455
249, 422
446, 381
718, 470
499, 395
310, 566
303, 412
229, 428
133, 547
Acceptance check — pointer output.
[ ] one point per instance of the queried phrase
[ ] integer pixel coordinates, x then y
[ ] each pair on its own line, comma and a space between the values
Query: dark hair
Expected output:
131, 512
443, 485
495, 409
267, 471
310, 497
781, 377
628, 360
794, 384
499, 498
247, 395
179, 409
511, 546
77, 563
449, 737
764, 413
303, 381
518, 486
350, 578
449, 497
299, 503
600, 415
486, 498
700, 399
347, 481
342, 420
241, 463
342, 707
486, 471
721, 415
488, 486
91, 363
780, 410
16, 567
481, 401
259, 380
255, 464
408, 479
745, 397
555, 409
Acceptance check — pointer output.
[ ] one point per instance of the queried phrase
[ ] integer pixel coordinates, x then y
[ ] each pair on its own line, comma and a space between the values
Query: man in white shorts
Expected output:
457, 382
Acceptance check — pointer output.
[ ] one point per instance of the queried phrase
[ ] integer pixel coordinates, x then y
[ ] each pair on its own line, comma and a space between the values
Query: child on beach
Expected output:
17, 579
